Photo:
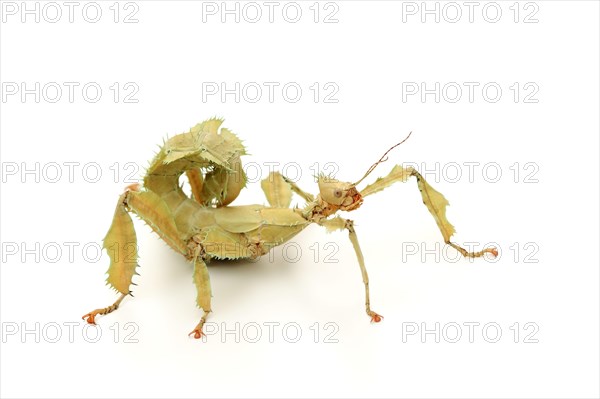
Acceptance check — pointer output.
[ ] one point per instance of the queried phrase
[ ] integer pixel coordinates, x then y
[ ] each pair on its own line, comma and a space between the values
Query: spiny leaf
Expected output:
121, 244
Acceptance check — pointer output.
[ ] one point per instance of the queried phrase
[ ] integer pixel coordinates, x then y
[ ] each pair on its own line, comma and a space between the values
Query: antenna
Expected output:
382, 159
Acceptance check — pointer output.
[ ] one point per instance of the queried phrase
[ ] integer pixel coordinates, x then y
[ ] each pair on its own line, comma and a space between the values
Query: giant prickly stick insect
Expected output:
206, 227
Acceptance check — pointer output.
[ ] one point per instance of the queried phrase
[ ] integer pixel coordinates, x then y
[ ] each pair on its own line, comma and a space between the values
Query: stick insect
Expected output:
206, 227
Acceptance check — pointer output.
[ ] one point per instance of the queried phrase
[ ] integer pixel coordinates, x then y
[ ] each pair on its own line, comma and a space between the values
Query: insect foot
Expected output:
375, 318
91, 317
198, 333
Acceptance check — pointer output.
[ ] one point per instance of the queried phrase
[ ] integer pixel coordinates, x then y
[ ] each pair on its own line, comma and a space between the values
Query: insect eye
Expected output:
337, 193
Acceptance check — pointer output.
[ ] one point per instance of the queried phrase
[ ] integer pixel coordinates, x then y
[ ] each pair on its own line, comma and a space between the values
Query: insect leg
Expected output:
278, 190
202, 282
361, 261
121, 244
339, 223
434, 201
306, 196
91, 317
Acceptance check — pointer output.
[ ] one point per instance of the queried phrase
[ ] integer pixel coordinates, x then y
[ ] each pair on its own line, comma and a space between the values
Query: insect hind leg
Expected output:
202, 282
121, 244
121, 241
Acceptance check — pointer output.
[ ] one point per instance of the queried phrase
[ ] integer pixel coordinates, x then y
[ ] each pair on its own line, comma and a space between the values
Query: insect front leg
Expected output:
434, 201
278, 190
306, 196
338, 223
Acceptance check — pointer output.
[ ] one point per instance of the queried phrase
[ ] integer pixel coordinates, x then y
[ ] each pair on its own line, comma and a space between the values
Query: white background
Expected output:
550, 213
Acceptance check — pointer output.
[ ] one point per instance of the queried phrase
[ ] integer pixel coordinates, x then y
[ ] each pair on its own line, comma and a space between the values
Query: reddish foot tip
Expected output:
376, 318
90, 318
197, 334
494, 252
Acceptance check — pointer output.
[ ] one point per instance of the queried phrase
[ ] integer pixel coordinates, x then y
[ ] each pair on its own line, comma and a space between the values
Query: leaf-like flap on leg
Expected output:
434, 200
121, 244
337, 223
202, 282
398, 174
277, 190
436, 203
